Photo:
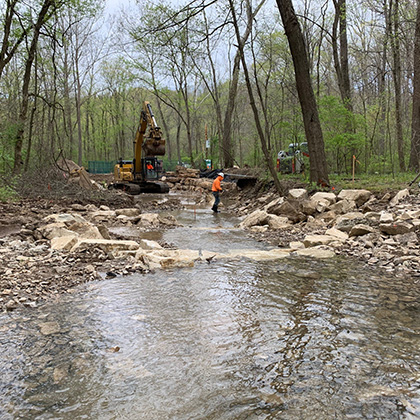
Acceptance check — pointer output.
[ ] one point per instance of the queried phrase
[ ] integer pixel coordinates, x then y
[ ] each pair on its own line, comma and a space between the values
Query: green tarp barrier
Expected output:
100, 166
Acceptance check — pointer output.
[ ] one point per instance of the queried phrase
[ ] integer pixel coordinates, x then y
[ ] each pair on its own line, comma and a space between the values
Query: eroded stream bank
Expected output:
241, 339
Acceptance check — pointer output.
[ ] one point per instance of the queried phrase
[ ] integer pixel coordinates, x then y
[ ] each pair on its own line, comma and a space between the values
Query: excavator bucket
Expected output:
153, 147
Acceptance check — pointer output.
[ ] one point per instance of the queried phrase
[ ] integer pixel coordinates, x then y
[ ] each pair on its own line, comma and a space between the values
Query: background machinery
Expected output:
292, 161
142, 174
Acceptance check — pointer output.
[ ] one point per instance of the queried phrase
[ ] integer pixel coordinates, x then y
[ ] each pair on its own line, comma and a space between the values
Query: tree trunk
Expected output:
8, 49
178, 142
382, 84
341, 60
415, 123
313, 131
31, 119
78, 115
341, 64
396, 71
18, 161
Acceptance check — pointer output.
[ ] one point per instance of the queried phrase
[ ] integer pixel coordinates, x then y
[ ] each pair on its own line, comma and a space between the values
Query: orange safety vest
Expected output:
216, 184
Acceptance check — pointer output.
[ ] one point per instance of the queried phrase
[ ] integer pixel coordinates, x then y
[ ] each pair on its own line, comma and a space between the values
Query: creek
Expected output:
289, 339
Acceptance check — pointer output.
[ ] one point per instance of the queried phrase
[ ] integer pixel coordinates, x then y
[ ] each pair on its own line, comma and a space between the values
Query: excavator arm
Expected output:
147, 143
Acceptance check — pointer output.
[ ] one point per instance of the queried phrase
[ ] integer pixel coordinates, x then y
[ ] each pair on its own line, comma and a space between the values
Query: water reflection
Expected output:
294, 339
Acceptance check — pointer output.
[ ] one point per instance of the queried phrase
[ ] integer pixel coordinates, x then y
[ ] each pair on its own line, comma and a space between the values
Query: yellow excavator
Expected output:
142, 174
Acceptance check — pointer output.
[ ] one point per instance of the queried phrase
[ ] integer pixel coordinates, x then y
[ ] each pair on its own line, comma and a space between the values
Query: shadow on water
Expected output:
288, 339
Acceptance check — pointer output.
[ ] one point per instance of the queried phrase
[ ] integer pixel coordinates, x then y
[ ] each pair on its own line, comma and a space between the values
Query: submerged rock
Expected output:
48, 328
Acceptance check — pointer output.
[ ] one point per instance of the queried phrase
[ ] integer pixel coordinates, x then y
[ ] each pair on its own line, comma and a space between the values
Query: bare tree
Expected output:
266, 151
233, 88
10, 45
396, 71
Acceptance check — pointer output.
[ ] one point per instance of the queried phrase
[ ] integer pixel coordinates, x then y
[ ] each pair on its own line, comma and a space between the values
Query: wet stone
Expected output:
48, 328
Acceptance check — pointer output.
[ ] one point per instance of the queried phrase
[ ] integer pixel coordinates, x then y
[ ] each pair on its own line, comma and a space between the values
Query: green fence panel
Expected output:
101, 166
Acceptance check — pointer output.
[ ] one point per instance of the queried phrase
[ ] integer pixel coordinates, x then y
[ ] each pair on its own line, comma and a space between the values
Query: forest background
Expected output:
218, 73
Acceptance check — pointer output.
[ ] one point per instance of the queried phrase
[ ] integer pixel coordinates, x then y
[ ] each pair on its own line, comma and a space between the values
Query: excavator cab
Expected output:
152, 169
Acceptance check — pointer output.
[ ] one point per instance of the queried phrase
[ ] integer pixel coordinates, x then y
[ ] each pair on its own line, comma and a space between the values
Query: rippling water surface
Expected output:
291, 339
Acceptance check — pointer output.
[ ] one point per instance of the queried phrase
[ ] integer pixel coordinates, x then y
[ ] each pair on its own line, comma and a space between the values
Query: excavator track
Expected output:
144, 187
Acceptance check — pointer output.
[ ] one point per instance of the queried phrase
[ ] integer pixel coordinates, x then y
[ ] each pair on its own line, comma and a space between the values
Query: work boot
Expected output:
215, 209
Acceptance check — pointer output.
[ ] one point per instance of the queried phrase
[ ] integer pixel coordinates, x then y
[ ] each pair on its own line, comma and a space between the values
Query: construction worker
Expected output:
216, 189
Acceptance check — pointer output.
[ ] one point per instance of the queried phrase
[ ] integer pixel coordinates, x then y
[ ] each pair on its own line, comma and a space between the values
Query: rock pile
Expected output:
382, 232
61, 250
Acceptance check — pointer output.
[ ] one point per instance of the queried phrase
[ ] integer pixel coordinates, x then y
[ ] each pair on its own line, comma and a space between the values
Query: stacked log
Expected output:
183, 172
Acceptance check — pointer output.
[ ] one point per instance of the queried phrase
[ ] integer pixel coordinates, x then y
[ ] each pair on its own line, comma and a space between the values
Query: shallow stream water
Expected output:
287, 339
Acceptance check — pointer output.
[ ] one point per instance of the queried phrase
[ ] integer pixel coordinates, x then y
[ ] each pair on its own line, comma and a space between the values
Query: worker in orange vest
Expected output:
216, 189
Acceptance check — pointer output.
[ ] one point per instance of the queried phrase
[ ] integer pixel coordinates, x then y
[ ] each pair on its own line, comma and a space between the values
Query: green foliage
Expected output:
7, 194
7, 191
8, 134
375, 183
343, 134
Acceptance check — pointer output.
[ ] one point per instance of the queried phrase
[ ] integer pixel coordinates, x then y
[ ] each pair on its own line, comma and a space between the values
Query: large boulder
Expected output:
289, 209
322, 205
256, 218
360, 197
203, 183
148, 244
104, 231
386, 217
86, 230
315, 240
399, 196
278, 222
397, 228
273, 204
64, 243
298, 194
103, 214
156, 259
343, 206
309, 207
315, 253
348, 220
55, 230
129, 212
360, 230
321, 196
337, 234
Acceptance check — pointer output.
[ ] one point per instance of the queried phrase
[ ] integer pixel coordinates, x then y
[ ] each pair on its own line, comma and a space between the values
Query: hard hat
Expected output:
221, 174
